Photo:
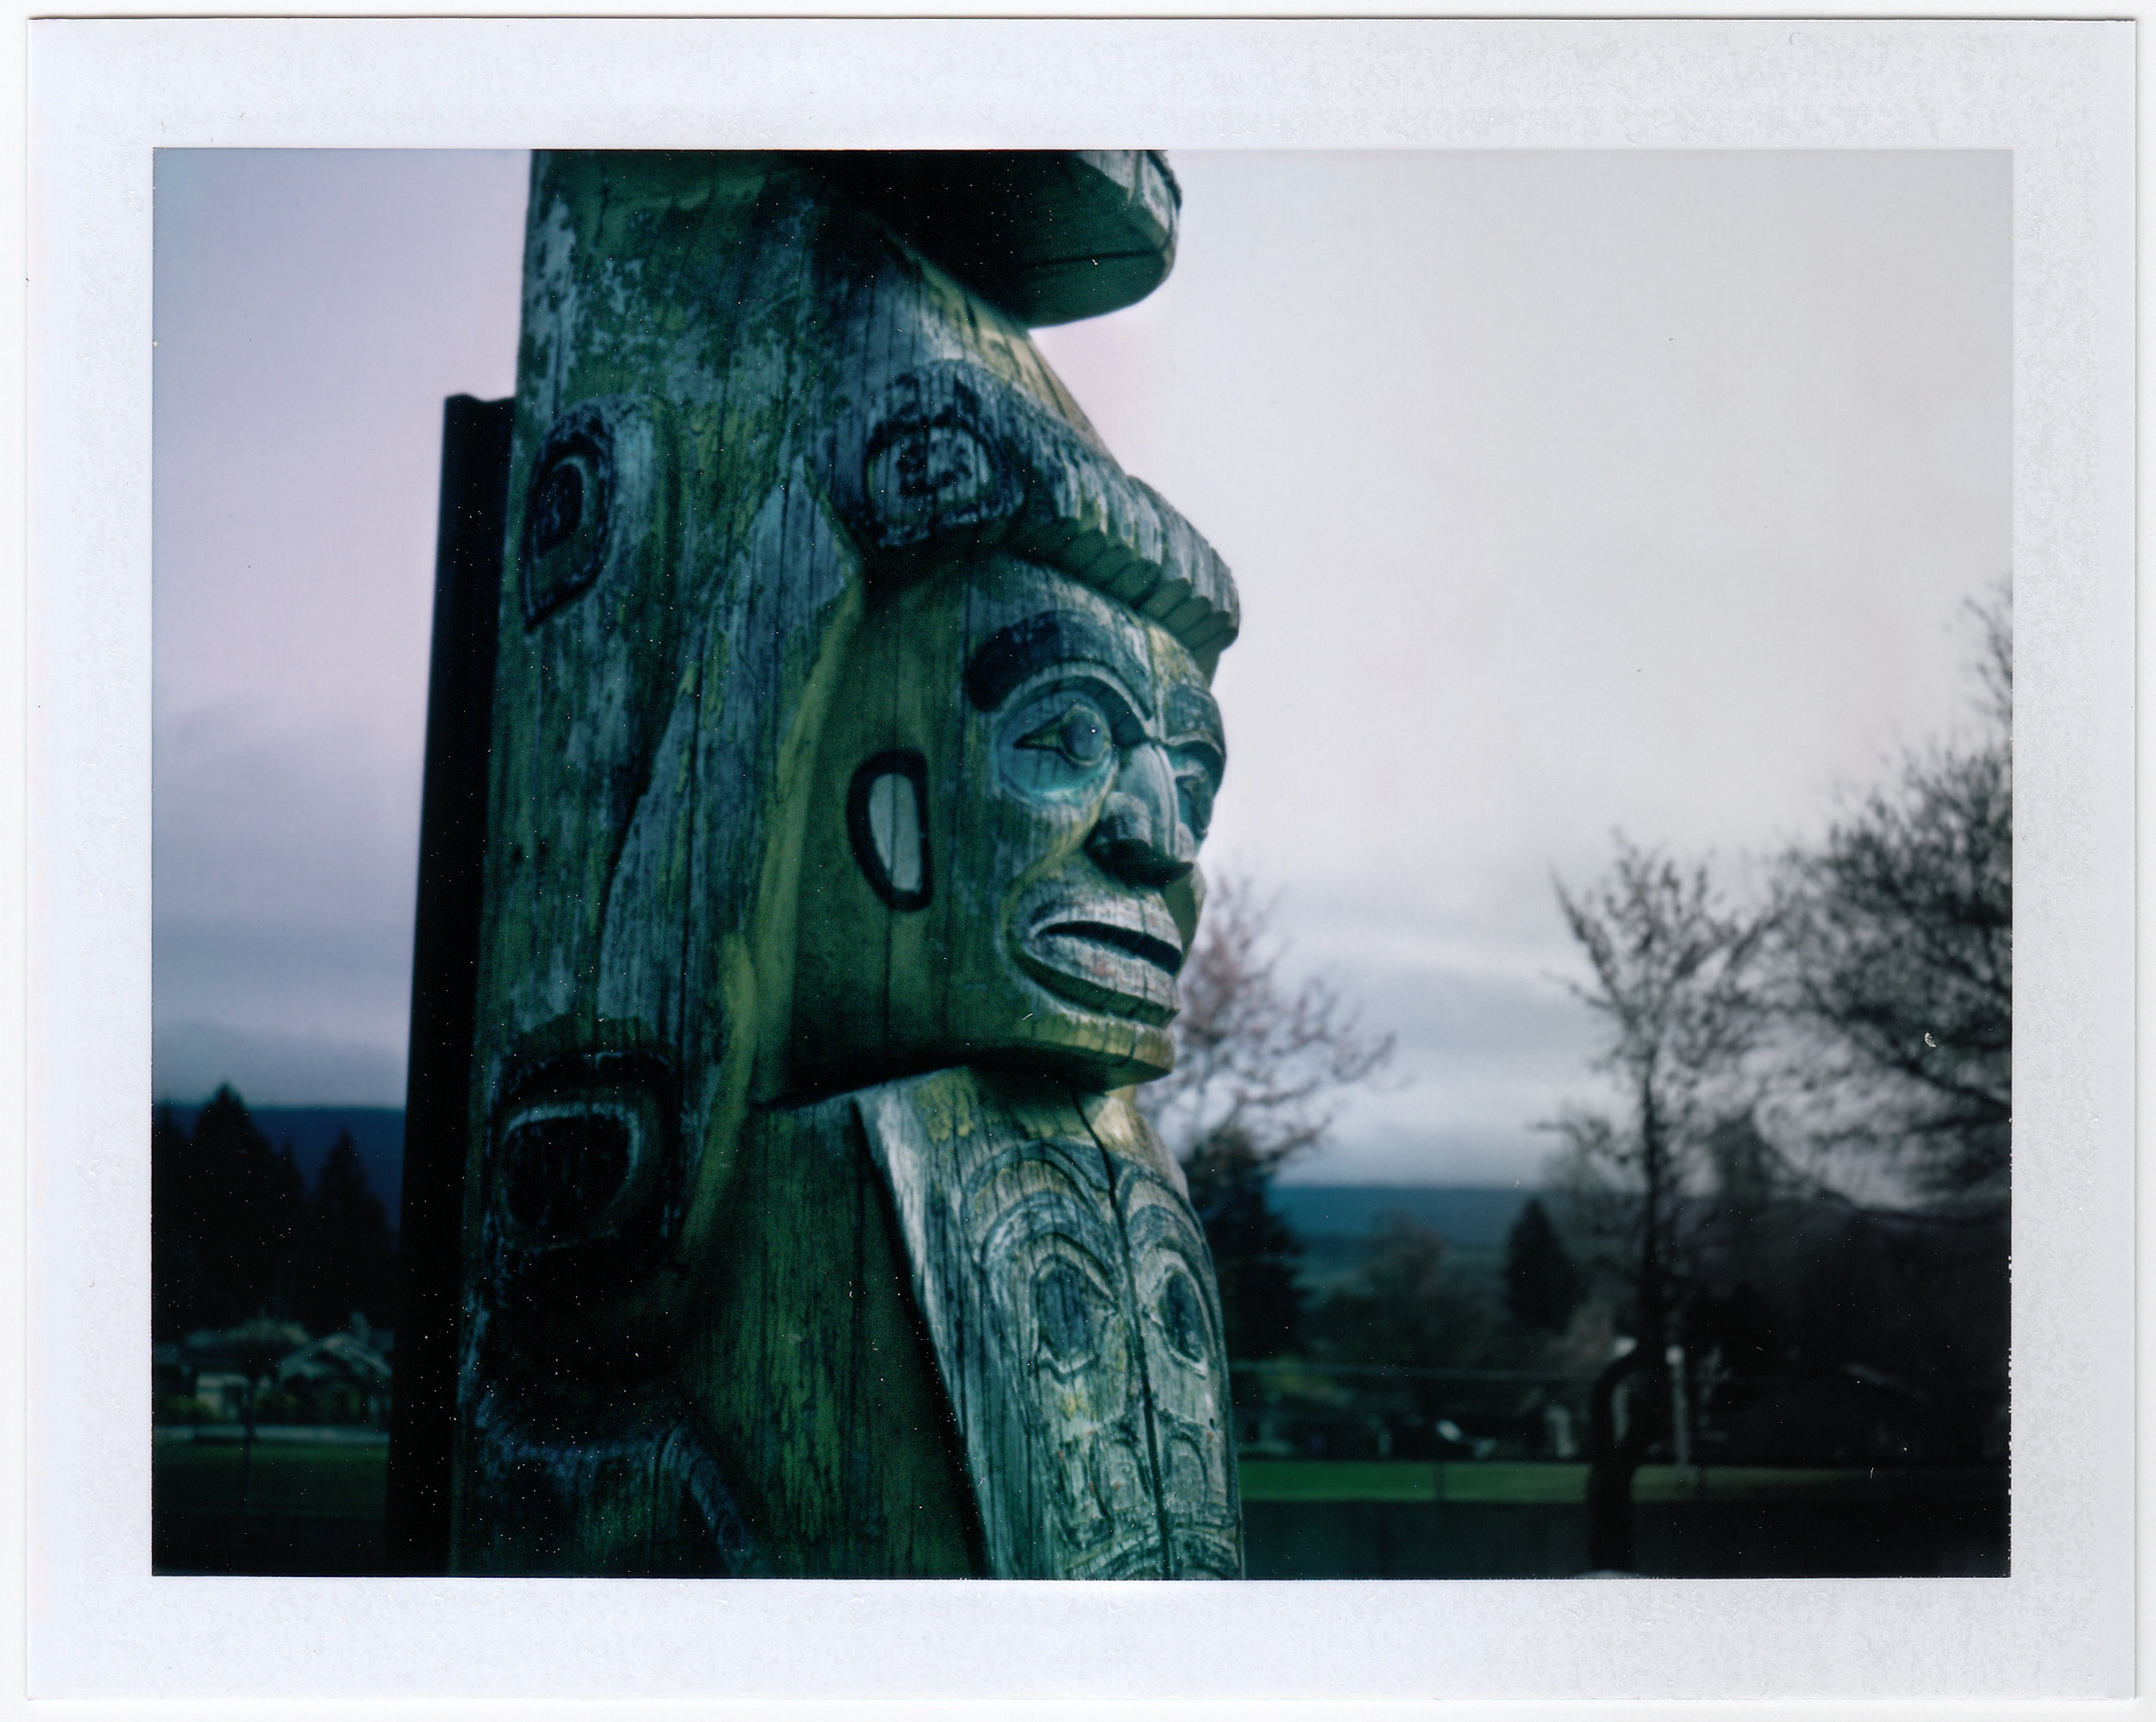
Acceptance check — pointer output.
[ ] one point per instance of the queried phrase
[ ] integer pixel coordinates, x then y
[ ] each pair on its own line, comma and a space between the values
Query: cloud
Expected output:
282, 878
190, 1057
1566, 490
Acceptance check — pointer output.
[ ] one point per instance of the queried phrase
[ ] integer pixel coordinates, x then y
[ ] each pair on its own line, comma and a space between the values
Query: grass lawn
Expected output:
283, 1477
1557, 1484
349, 1481
1402, 1481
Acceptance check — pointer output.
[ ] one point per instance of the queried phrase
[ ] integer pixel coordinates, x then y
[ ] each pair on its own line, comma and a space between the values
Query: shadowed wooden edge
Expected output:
1049, 235
475, 454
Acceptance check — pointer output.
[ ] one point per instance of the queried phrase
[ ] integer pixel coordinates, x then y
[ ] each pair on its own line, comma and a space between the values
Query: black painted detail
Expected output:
936, 466
1050, 637
911, 767
558, 508
949, 460
617, 1484
559, 1172
567, 511
586, 1179
1158, 952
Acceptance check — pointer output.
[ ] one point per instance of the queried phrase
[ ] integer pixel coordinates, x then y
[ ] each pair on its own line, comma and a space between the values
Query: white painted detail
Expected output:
894, 823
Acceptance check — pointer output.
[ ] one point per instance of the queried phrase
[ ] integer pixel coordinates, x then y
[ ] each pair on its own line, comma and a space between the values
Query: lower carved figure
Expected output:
1060, 1273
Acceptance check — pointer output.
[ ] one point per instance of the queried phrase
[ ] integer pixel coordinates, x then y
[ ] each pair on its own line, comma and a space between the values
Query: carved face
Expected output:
1000, 859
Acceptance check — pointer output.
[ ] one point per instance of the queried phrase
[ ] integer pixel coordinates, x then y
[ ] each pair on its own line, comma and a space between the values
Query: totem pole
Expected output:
851, 750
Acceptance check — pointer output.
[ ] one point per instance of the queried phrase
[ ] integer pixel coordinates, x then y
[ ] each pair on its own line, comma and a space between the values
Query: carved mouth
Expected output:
1146, 949
1115, 953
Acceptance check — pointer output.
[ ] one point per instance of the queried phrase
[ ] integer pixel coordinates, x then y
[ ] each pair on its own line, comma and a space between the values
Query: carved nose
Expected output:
1141, 837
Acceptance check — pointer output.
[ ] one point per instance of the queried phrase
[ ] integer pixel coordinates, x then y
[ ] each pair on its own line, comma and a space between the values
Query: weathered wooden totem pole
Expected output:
851, 750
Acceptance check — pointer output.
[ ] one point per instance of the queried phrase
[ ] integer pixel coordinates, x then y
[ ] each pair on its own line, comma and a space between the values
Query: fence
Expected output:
1288, 1408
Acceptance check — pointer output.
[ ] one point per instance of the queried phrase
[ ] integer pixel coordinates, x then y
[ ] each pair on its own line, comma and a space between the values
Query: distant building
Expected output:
344, 1377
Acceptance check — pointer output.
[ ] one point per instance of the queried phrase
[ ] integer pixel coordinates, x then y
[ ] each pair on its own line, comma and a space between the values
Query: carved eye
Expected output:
1182, 1317
1193, 789
1062, 1305
1081, 735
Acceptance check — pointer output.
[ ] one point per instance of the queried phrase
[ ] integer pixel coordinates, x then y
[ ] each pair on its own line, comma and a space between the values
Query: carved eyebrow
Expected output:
1053, 636
1194, 714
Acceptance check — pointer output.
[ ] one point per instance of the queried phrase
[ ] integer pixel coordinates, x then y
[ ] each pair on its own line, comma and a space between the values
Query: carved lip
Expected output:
1114, 952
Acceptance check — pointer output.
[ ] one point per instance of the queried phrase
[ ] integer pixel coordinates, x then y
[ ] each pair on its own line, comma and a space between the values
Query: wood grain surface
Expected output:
850, 752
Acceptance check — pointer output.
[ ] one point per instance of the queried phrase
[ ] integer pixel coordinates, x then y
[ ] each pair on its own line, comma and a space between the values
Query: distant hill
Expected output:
378, 1131
1473, 1217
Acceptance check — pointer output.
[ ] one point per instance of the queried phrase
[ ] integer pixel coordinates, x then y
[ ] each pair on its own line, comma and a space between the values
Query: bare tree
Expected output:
1672, 986
1261, 1066
1256, 1064
1894, 963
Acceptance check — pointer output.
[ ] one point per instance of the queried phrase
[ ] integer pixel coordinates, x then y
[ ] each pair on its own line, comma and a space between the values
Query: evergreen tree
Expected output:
1404, 1307
175, 1260
349, 1265
1259, 1068
1253, 1250
1542, 1287
235, 1207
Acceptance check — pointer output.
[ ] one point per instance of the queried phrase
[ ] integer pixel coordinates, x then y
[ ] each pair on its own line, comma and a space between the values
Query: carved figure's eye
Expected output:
1061, 744
1081, 735
1194, 789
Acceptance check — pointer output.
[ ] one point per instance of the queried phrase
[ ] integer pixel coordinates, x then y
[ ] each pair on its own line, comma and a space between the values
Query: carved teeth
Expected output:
1146, 950
1115, 953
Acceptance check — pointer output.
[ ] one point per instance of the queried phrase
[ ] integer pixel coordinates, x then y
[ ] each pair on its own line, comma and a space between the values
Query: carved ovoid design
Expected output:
585, 1178
851, 748
950, 451
886, 817
593, 492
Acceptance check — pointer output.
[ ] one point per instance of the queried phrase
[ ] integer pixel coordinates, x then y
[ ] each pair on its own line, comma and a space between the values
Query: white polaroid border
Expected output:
105, 94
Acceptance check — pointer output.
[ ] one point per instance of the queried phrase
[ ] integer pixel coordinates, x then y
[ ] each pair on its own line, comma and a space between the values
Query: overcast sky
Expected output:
1566, 491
